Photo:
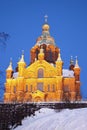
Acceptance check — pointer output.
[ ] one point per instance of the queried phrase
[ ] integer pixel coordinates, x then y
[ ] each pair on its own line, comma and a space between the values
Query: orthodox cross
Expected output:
45, 18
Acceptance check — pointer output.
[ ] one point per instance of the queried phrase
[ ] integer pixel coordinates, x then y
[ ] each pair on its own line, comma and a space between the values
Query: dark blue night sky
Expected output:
23, 20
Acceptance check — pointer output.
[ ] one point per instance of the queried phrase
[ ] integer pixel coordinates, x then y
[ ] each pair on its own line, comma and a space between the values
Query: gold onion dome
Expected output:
45, 27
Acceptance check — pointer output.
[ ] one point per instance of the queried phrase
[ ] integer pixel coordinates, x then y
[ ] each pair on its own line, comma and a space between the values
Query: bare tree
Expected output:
3, 42
3, 38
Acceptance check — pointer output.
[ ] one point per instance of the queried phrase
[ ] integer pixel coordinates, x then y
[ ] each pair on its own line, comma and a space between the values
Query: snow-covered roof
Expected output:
15, 75
68, 73
52, 64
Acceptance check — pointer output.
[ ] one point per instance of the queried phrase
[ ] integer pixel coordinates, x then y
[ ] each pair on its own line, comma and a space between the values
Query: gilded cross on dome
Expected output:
45, 18
11, 60
22, 52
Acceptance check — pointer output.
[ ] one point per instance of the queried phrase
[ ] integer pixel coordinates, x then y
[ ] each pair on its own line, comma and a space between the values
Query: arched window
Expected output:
40, 73
31, 88
37, 53
14, 89
40, 86
26, 88
53, 88
50, 56
66, 89
48, 88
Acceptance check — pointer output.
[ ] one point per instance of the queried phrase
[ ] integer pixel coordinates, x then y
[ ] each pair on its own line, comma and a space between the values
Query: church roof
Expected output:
15, 75
68, 73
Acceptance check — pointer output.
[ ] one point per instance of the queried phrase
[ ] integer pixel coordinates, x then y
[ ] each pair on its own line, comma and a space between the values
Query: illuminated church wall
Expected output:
44, 79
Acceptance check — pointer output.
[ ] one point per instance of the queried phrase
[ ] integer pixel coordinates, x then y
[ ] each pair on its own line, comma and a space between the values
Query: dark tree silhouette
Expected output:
3, 38
2, 78
3, 42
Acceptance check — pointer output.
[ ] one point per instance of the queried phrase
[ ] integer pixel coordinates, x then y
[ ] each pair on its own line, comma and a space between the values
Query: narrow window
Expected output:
14, 89
31, 88
50, 56
66, 89
26, 88
40, 86
53, 88
50, 53
48, 88
40, 73
37, 53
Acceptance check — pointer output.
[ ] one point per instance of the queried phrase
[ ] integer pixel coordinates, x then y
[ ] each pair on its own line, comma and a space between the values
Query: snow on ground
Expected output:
48, 119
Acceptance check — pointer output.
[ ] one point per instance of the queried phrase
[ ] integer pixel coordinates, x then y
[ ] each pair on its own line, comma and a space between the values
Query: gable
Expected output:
32, 71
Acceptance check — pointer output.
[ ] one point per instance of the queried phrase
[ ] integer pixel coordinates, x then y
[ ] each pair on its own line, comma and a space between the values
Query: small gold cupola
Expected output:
22, 57
9, 70
21, 65
41, 54
59, 64
10, 65
59, 57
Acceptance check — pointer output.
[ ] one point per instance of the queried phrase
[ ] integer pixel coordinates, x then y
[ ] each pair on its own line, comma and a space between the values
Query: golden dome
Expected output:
45, 27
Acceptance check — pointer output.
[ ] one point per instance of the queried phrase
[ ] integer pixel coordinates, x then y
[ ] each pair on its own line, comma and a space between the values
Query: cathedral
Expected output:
44, 79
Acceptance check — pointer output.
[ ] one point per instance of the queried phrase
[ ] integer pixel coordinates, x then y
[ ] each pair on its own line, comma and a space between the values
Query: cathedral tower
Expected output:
44, 79
77, 79
9, 70
48, 44
21, 65
59, 64
41, 54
